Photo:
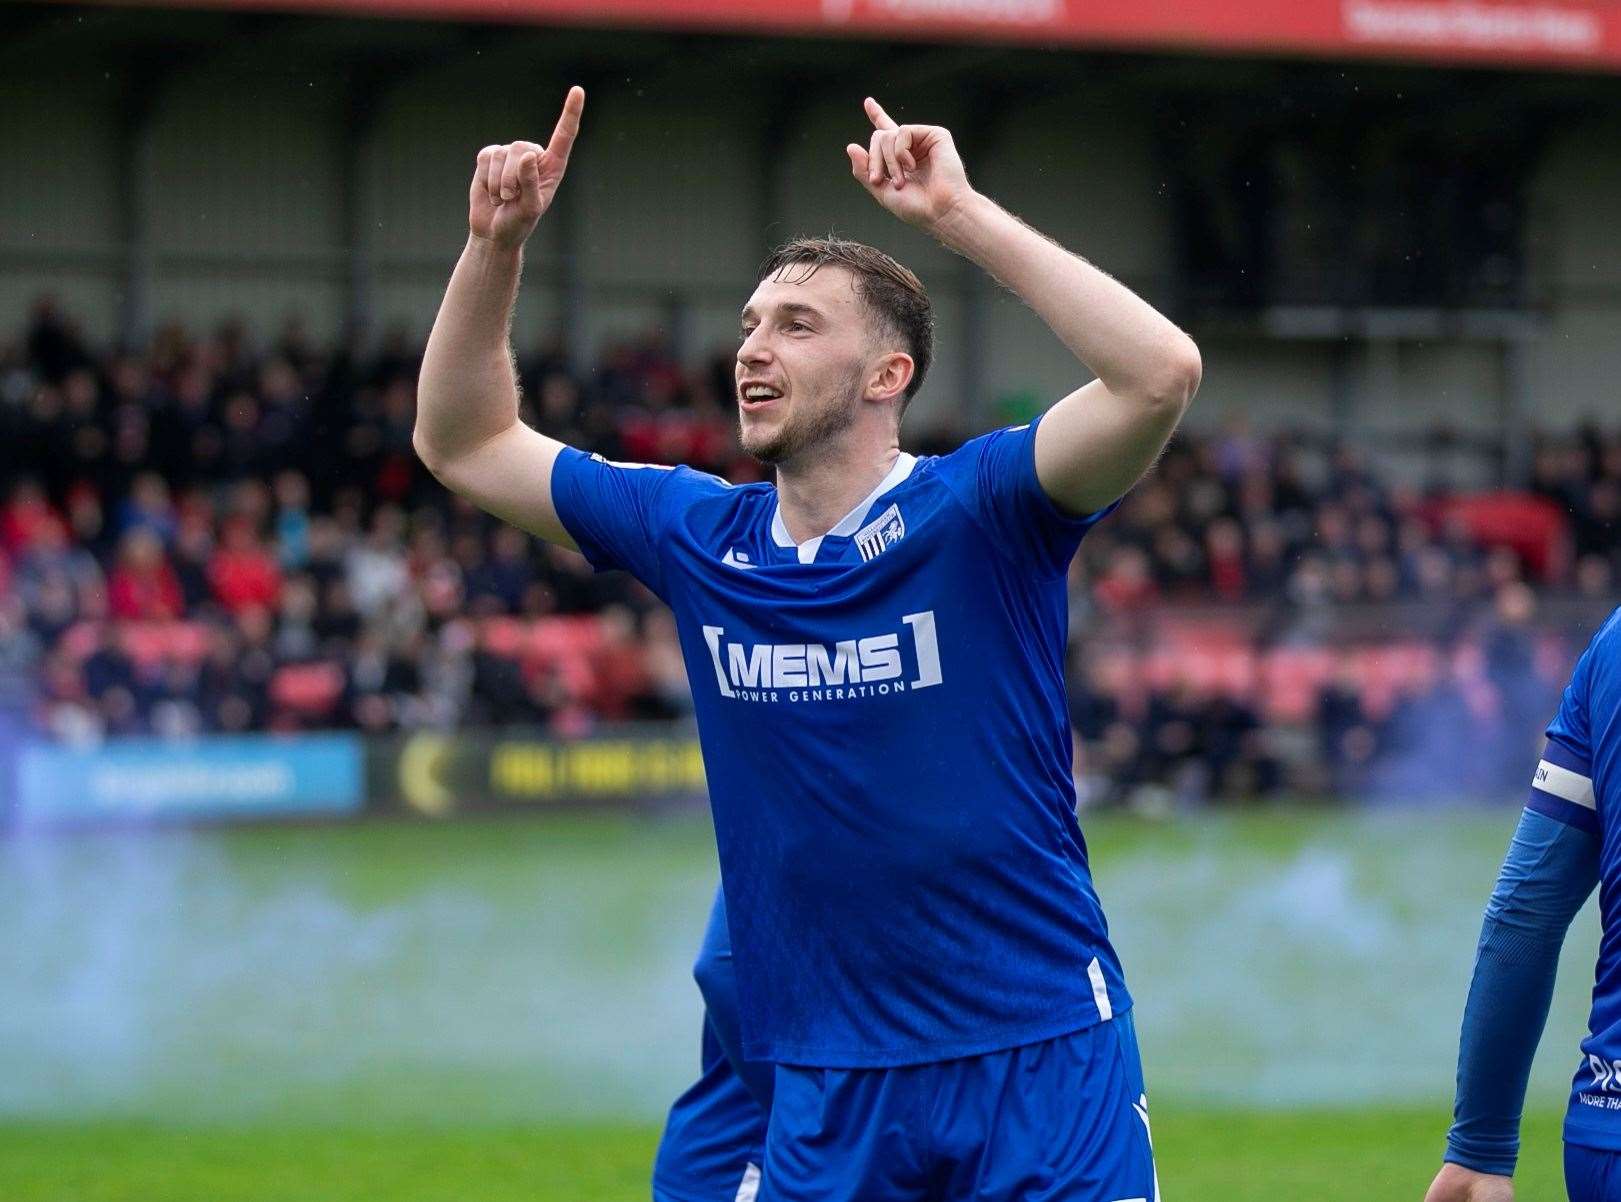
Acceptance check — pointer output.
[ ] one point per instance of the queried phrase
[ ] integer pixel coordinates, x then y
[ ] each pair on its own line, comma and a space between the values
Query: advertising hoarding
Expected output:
440, 775
252, 777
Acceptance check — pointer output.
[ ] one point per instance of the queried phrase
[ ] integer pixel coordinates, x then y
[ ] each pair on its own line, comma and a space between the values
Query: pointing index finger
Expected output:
568, 125
880, 119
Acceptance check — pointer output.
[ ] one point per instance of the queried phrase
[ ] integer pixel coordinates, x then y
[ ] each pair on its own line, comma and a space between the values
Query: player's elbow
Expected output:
440, 460
713, 975
431, 458
1177, 375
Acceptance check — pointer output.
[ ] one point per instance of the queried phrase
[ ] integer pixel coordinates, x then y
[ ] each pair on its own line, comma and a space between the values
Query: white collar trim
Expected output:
850, 522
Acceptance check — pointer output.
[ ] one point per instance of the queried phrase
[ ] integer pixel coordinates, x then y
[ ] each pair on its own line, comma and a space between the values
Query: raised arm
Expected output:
467, 428
1096, 442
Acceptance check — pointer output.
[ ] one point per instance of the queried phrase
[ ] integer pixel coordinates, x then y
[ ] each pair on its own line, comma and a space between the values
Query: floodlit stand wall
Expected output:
271, 178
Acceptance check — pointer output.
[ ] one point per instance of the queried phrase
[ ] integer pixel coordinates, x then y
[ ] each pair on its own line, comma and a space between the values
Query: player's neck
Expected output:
815, 493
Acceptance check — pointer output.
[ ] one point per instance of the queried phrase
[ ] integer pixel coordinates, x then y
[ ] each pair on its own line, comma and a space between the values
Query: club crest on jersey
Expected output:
878, 535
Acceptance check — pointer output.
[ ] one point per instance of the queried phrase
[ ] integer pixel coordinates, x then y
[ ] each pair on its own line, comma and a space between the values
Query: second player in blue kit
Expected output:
876, 647
1568, 841
714, 1138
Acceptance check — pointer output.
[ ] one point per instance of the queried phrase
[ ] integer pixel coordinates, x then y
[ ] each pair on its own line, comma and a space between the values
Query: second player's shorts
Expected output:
1592, 1174
1065, 1120
713, 1143
714, 1140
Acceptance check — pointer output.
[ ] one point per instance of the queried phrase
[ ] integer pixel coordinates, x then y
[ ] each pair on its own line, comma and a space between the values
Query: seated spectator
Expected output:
1240, 761
68, 713
148, 506
25, 512
243, 573
1345, 734
618, 668
107, 664
143, 587
292, 537
669, 692
501, 582
51, 554
375, 570
1126, 584
173, 700
193, 555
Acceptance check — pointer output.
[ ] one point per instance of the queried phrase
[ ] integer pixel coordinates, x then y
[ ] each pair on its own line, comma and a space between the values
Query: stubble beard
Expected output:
804, 429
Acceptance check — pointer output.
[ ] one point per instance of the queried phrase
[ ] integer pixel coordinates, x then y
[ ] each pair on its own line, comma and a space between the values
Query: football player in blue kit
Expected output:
876, 647
1568, 841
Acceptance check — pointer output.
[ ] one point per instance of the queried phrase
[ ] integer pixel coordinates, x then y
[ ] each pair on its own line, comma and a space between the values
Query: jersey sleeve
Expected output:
994, 475
619, 513
1546, 877
1562, 786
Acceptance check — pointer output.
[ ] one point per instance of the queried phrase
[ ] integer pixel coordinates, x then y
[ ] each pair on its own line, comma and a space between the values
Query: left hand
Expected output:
914, 171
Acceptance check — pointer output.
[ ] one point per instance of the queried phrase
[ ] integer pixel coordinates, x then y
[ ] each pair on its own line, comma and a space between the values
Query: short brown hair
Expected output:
890, 291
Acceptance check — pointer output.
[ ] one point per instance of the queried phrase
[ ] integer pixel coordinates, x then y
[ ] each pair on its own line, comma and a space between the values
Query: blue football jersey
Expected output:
1579, 782
888, 752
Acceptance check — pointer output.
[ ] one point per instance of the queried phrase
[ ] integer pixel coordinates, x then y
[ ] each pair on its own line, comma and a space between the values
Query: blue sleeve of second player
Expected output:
995, 477
1550, 870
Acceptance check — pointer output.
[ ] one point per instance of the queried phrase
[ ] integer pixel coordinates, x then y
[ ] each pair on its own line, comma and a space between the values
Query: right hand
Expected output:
514, 184
1454, 1183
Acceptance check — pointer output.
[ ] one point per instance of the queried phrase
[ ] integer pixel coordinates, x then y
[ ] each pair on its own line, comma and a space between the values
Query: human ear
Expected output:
891, 378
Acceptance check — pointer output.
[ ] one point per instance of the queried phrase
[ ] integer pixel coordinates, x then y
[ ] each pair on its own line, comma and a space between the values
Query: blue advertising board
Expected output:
252, 776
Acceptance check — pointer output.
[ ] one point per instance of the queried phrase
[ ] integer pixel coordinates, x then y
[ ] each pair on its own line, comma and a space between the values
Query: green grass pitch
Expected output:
1239, 1156
493, 1010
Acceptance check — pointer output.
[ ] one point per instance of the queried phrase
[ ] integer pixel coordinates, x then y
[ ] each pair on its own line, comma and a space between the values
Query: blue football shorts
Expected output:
714, 1139
1064, 1120
1592, 1174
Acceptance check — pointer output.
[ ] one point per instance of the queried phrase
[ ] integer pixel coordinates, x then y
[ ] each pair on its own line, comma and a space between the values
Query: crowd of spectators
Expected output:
214, 534
1433, 595
1238, 517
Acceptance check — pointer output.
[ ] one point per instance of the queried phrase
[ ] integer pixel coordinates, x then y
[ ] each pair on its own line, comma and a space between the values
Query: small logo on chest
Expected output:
880, 534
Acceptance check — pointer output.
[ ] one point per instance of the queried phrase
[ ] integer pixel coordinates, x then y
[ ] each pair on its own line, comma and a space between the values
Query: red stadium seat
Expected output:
309, 690
187, 641
1290, 679
1388, 671
1533, 527
503, 636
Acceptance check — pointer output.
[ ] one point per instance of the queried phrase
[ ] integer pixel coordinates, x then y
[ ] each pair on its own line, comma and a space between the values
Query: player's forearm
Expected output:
1503, 1020
1548, 873
1134, 349
468, 392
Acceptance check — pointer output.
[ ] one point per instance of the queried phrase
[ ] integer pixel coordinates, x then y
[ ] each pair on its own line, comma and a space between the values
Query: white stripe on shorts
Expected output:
1100, 990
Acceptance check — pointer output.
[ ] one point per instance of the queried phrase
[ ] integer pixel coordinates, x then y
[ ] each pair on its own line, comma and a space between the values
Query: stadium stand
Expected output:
209, 534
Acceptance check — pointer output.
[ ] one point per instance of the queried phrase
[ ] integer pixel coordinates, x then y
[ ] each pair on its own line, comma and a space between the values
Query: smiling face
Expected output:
810, 366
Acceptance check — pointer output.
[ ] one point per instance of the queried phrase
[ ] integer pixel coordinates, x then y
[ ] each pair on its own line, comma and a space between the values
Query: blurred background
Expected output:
355, 842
